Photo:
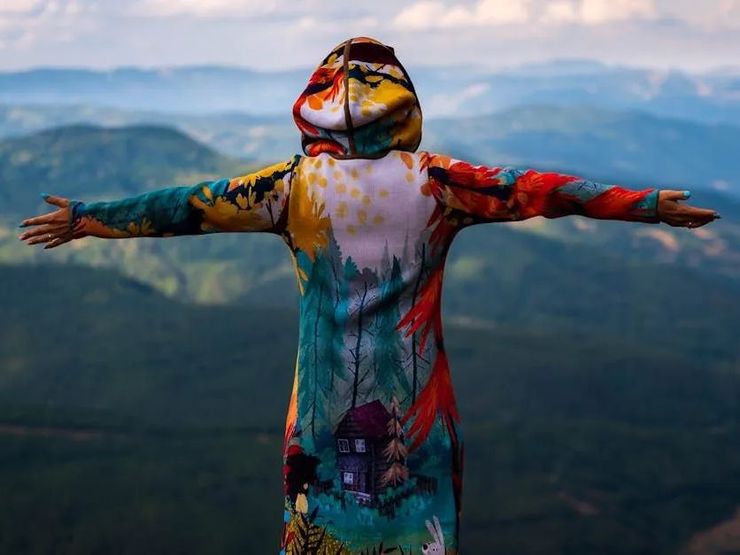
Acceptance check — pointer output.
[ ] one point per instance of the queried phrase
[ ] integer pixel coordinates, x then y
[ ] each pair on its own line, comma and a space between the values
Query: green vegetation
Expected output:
92, 163
134, 421
597, 372
601, 144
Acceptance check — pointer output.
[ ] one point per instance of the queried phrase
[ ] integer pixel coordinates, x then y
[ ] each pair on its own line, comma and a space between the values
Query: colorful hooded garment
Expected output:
373, 447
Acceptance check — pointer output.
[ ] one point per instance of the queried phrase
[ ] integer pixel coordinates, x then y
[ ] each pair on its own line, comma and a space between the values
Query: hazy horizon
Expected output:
281, 35
544, 62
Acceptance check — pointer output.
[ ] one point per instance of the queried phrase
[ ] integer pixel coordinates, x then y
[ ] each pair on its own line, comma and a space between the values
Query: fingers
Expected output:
58, 216
46, 218
675, 195
48, 238
692, 212
41, 229
696, 223
52, 228
55, 200
692, 222
45, 234
58, 241
695, 218
678, 214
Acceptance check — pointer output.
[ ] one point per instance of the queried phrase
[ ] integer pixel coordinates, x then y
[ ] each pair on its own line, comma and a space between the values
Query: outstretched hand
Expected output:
677, 214
53, 228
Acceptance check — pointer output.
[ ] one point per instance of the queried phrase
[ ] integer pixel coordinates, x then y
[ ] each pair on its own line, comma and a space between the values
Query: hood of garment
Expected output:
359, 103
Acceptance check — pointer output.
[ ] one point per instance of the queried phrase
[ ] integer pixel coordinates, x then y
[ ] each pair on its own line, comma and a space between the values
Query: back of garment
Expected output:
373, 448
373, 444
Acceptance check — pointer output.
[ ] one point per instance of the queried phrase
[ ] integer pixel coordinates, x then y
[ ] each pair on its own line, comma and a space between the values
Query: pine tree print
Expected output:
388, 347
396, 451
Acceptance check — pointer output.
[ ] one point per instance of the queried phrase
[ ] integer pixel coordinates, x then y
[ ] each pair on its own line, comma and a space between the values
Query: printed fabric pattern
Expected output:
373, 451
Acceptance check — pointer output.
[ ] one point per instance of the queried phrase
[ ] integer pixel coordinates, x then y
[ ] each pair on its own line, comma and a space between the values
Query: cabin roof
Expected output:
372, 418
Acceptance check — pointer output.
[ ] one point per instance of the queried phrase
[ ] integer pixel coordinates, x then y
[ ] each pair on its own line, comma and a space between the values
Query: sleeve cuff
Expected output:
649, 206
75, 212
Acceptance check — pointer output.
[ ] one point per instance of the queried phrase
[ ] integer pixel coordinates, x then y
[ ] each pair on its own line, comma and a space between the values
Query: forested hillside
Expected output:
144, 383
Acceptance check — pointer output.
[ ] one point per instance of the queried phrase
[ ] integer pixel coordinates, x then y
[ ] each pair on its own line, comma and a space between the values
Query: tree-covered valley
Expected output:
144, 383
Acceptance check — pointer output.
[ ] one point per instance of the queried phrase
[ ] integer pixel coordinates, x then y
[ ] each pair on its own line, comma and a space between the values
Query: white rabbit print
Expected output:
437, 546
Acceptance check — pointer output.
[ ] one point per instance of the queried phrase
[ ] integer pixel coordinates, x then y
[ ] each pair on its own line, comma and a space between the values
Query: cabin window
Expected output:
348, 478
343, 446
360, 445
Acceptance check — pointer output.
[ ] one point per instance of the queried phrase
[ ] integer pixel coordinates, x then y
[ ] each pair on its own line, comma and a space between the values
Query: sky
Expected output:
693, 35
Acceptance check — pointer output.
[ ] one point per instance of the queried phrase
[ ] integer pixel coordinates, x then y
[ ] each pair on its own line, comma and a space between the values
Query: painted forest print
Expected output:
373, 449
364, 433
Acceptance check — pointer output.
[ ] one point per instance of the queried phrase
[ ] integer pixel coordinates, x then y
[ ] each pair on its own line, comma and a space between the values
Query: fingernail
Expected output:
687, 194
22, 224
716, 215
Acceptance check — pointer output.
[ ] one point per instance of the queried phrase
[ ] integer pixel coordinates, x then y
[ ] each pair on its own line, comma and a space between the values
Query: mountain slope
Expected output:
607, 145
603, 144
236, 133
500, 276
110, 391
91, 162
88, 163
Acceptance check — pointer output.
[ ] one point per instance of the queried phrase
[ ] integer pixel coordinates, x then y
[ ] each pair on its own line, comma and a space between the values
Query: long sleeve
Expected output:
251, 202
471, 194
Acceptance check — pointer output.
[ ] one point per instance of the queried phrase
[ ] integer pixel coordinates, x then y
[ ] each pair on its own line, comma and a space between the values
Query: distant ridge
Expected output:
77, 160
709, 96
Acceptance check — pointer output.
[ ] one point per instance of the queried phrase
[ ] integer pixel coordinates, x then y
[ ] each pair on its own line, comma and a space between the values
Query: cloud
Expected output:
564, 11
312, 25
604, 11
289, 34
203, 8
717, 14
429, 14
18, 6
597, 12
449, 104
26, 22
40, 8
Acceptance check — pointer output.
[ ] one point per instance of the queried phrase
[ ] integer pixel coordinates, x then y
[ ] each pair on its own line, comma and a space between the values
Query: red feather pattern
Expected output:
473, 194
437, 397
